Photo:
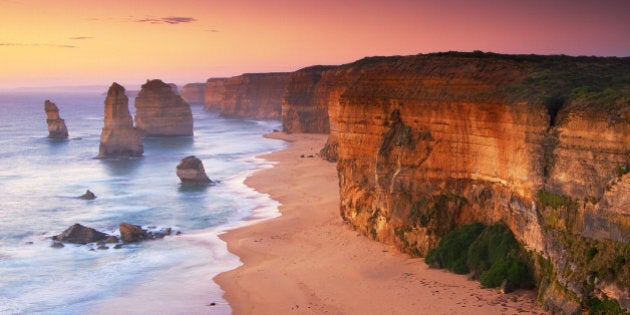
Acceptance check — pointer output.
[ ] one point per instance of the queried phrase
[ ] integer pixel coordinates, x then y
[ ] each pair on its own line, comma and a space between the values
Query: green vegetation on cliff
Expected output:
492, 252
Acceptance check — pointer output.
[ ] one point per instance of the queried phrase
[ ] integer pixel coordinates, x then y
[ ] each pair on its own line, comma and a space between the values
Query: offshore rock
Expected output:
56, 126
190, 171
428, 143
118, 137
130, 233
79, 234
254, 95
193, 93
88, 195
213, 94
161, 112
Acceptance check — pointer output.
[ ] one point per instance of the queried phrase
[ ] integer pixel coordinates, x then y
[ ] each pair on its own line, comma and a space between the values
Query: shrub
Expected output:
491, 251
452, 250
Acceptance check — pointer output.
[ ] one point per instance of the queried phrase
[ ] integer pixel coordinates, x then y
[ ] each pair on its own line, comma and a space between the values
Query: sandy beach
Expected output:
307, 261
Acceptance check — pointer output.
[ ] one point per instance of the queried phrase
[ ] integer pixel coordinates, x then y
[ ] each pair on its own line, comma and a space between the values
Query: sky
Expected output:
86, 42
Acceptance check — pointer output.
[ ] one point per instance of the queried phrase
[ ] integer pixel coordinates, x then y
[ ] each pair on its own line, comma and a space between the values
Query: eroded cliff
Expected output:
160, 111
118, 138
56, 126
254, 95
213, 94
193, 93
428, 143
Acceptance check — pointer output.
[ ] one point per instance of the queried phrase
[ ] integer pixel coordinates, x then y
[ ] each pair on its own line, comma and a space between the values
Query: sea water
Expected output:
41, 178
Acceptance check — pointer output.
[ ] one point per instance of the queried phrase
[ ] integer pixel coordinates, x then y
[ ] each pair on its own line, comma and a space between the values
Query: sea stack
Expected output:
161, 112
56, 126
191, 172
119, 138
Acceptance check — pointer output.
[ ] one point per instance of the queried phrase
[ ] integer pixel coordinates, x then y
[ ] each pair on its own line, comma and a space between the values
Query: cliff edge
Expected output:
428, 143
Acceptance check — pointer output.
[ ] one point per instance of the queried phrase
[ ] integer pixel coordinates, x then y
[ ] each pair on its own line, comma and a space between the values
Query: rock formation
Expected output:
119, 138
79, 234
193, 93
88, 195
130, 233
213, 93
190, 171
254, 95
161, 112
56, 126
428, 143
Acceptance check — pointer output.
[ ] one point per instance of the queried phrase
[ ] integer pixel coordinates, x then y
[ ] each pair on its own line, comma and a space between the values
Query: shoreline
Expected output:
309, 261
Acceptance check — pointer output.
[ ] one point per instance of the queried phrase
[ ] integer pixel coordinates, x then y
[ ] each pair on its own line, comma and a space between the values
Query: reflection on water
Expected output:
121, 166
167, 143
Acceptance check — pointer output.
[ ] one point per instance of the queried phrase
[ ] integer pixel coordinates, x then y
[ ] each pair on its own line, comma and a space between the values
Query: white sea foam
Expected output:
41, 179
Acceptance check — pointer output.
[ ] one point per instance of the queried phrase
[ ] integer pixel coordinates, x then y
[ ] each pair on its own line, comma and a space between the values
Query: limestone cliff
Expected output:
254, 95
118, 137
193, 93
427, 143
161, 112
56, 126
213, 94
305, 105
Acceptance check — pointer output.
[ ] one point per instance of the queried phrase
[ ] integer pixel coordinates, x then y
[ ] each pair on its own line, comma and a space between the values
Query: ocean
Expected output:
41, 178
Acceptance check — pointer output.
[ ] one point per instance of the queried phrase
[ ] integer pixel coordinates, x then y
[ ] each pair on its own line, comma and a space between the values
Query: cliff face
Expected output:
254, 95
56, 126
213, 94
161, 112
430, 142
118, 137
193, 93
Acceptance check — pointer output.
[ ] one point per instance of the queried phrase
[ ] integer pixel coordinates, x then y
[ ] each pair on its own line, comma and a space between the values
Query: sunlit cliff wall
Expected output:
427, 143
254, 95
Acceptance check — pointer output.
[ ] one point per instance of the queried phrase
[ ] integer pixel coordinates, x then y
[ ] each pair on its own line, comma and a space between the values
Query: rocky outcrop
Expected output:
161, 112
428, 143
191, 172
130, 233
118, 137
56, 126
254, 95
79, 234
193, 93
88, 195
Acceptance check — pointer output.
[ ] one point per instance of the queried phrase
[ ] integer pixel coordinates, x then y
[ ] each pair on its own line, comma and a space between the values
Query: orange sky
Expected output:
85, 42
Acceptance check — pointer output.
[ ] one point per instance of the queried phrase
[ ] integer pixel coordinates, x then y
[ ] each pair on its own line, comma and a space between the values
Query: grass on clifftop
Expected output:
492, 252
557, 80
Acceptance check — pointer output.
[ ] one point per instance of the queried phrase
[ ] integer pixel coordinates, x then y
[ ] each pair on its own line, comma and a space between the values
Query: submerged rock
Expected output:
190, 171
79, 234
88, 195
56, 126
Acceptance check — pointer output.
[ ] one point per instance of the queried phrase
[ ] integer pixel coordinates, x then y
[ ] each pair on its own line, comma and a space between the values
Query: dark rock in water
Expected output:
88, 195
102, 247
79, 234
507, 287
56, 244
190, 171
118, 246
130, 233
